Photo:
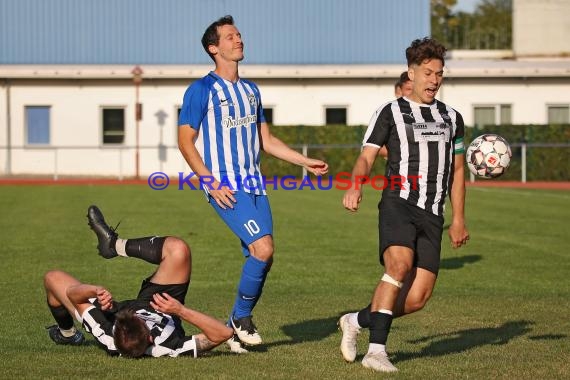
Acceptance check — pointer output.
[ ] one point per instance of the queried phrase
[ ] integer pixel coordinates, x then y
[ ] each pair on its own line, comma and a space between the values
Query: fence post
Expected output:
120, 164
55, 164
523, 162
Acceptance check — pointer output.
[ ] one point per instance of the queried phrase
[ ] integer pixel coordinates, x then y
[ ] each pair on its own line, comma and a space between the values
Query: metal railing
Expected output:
124, 157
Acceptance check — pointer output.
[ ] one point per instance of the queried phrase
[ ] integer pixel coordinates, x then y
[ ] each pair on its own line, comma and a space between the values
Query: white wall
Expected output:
304, 102
4, 160
529, 97
541, 27
75, 111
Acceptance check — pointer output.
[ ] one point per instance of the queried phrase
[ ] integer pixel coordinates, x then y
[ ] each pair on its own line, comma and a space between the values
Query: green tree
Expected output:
488, 27
442, 19
493, 21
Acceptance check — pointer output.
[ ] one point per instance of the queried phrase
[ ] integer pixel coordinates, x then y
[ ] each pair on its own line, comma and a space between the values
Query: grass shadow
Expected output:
464, 340
459, 262
305, 331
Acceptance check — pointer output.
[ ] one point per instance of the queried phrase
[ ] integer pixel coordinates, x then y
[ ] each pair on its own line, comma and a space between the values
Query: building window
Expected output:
37, 124
492, 115
113, 125
268, 113
559, 114
335, 115
505, 116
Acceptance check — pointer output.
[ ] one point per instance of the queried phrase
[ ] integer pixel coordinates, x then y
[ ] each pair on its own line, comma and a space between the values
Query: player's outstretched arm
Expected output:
277, 148
360, 172
214, 332
458, 233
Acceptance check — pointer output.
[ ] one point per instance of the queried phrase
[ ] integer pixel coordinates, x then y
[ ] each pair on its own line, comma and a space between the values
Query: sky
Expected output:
466, 6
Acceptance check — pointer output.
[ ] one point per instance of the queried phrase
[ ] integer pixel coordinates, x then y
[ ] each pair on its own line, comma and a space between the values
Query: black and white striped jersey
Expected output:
167, 332
422, 141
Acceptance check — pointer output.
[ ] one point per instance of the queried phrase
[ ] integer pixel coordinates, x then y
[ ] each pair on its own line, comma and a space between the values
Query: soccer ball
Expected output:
488, 156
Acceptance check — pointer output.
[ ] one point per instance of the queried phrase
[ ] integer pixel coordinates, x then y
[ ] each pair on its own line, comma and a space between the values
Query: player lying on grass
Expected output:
148, 325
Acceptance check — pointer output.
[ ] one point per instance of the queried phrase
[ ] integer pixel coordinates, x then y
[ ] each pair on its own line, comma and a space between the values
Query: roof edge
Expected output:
454, 68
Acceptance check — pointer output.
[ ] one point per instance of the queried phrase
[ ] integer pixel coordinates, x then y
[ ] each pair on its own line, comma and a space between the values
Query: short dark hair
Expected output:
211, 35
403, 79
425, 48
131, 335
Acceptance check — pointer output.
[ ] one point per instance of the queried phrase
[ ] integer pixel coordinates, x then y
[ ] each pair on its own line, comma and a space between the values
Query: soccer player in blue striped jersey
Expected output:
222, 131
424, 139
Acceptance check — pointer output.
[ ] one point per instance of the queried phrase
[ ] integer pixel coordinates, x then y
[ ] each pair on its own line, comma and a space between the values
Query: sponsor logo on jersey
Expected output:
252, 100
230, 122
225, 103
430, 131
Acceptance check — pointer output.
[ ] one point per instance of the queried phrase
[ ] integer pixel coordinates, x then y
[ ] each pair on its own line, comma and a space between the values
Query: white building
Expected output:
79, 119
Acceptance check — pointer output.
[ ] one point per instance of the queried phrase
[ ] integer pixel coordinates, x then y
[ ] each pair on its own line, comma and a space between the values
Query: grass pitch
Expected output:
500, 308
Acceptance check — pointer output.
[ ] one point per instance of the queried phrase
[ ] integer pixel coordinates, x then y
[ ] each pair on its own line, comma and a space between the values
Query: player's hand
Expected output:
105, 298
317, 167
458, 234
224, 196
164, 303
351, 199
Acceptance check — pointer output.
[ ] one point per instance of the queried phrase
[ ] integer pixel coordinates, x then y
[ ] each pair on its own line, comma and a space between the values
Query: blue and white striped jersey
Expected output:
226, 116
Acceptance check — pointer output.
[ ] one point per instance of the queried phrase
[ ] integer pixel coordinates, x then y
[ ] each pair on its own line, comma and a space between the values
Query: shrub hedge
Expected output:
339, 145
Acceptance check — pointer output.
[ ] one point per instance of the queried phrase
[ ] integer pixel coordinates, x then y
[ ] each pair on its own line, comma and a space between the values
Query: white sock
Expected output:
68, 333
353, 320
120, 246
375, 348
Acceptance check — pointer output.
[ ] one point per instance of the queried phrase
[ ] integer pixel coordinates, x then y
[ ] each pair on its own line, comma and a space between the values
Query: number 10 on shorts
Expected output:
251, 227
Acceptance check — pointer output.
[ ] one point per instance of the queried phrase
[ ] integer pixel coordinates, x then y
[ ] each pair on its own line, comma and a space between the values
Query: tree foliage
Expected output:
488, 27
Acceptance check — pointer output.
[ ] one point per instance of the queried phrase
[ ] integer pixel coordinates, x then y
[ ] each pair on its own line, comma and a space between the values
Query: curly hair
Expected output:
211, 35
425, 48
131, 335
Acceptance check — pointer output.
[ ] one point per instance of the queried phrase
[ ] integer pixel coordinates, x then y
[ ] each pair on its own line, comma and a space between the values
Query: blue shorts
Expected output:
250, 219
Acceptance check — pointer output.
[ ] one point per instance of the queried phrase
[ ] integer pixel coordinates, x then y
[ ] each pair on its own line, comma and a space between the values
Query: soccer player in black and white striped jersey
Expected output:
148, 325
424, 138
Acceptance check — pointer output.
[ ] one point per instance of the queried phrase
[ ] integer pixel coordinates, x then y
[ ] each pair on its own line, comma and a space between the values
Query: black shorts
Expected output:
148, 288
404, 224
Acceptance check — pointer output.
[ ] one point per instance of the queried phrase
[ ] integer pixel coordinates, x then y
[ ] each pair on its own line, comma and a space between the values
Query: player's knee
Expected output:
262, 249
398, 262
51, 277
177, 250
417, 302
399, 270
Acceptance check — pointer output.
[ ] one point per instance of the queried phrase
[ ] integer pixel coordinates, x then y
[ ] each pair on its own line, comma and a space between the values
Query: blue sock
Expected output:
250, 286
229, 323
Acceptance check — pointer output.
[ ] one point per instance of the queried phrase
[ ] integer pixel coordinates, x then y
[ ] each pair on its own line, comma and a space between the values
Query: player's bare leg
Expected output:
56, 284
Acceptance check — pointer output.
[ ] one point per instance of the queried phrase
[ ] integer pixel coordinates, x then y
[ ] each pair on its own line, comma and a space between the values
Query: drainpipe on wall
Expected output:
8, 129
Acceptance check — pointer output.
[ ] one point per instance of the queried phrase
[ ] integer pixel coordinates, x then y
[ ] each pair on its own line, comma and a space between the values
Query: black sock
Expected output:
379, 327
148, 248
364, 316
62, 317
